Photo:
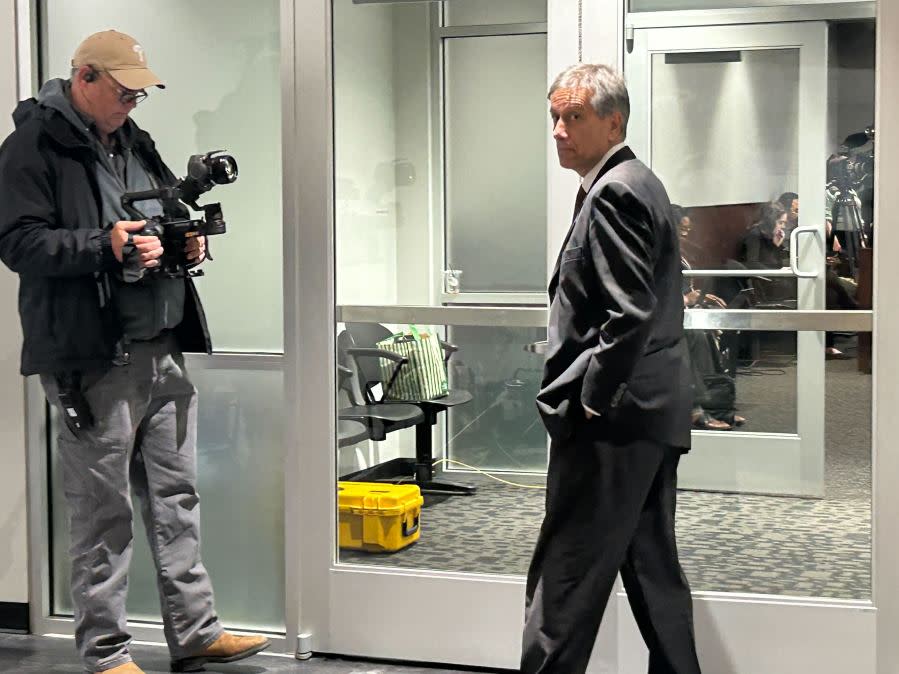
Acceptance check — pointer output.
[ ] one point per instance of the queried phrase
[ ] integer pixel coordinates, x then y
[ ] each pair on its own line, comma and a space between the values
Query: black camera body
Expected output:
174, 228
850, 167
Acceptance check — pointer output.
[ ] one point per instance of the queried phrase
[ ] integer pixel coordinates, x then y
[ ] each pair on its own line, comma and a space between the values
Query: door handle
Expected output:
794, 251
537, 347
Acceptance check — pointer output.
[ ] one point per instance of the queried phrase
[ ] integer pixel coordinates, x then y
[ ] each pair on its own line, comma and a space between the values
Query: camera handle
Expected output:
169, 196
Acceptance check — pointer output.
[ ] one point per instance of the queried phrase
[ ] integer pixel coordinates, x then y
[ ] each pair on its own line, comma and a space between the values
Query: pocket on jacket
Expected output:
571, 254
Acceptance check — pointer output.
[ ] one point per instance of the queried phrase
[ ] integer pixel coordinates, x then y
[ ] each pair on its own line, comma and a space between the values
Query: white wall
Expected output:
13, 517
383, 120
365, 129
415, 119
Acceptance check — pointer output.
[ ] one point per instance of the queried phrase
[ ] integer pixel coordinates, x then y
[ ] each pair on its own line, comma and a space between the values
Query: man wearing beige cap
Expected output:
106, 336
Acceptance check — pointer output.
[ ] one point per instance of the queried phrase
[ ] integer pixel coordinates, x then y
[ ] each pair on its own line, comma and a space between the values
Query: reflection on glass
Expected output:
241, 486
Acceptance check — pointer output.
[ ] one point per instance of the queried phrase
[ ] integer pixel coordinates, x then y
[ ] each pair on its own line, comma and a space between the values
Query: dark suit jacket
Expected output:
616, 341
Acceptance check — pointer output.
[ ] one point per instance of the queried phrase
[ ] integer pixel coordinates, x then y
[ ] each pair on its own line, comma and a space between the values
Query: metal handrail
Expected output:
782, 320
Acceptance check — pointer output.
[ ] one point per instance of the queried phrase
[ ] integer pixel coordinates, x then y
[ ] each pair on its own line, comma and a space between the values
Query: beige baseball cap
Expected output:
118, 54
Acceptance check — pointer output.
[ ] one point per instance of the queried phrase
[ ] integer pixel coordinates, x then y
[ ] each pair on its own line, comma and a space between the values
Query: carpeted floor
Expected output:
728, 542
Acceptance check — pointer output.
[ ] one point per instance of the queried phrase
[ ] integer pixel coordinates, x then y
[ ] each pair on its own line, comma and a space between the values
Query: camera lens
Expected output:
222, 169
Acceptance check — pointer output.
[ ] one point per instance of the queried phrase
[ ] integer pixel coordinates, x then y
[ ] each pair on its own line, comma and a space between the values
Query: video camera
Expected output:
174, 228
850, 167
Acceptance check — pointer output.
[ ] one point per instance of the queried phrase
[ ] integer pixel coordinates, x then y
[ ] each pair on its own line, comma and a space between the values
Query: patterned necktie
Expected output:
581, 195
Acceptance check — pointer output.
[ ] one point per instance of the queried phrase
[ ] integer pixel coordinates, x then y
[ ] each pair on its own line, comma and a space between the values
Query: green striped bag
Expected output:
424, 376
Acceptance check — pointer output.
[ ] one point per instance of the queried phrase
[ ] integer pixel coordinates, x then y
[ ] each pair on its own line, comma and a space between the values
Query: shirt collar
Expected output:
588, 180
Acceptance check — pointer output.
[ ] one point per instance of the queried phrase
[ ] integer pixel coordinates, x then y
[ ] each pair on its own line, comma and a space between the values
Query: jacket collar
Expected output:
623, 155
60, 130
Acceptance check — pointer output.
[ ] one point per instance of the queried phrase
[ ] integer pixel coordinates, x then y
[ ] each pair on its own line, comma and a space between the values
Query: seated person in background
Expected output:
762, 246
703, 346
790, 203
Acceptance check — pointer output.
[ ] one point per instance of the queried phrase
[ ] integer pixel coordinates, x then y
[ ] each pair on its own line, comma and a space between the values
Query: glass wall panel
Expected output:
241, 486
496, 162
478, 12
447, 169
223, 91
813, 547
499, 429
732, 542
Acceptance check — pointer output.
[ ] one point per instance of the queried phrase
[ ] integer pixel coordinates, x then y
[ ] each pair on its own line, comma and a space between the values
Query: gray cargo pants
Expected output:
144, 437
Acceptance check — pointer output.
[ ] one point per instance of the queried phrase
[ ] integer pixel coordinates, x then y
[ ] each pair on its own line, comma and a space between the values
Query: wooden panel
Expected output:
717, 232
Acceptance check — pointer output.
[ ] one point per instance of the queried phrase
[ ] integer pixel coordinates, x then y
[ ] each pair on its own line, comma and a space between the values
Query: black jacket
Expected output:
758, 251
616, 341
50, 235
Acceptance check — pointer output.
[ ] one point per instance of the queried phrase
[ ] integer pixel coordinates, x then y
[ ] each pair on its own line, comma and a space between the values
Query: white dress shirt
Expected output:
590, 177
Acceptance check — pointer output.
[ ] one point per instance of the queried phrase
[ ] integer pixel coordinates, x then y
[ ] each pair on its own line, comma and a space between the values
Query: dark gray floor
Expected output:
46, 655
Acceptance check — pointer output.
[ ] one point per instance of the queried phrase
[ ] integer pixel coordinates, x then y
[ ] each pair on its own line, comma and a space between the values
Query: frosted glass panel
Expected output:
223, 91
662, 5
713, 137
480, 12
241, 486
496, 135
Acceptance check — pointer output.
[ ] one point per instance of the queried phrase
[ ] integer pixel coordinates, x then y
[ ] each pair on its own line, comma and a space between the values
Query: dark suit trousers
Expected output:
609, 508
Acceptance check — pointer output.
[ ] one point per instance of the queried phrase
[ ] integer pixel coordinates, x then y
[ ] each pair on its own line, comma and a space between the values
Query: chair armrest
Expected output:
370, 352
448, 350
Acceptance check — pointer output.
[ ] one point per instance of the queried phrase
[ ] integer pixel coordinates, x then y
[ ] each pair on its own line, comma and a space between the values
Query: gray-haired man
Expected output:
615, 399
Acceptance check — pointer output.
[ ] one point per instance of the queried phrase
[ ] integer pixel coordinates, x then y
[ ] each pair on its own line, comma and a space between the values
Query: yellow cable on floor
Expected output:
492, 477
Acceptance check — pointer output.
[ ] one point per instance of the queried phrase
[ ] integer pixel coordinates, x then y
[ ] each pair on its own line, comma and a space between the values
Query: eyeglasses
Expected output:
126, 96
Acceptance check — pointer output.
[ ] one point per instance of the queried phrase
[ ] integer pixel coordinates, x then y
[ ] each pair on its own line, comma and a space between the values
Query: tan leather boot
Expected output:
127, 668
227, 648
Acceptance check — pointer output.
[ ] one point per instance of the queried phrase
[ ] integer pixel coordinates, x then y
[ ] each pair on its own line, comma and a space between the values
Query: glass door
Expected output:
731, 118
